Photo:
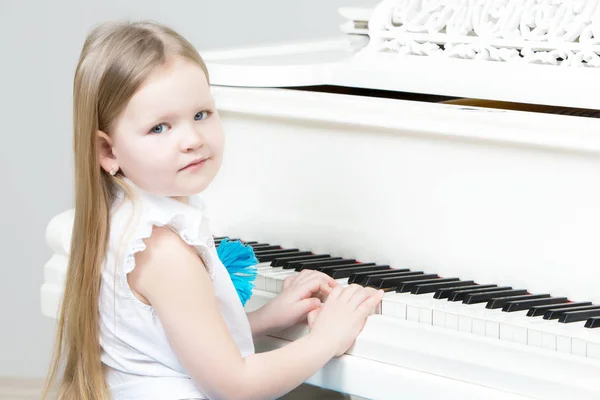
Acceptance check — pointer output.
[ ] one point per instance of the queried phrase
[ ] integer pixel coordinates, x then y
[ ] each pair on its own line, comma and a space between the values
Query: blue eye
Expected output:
158, 128
201, 115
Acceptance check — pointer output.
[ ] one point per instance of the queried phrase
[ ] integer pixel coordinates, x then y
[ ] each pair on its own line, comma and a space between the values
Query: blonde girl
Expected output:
149, 311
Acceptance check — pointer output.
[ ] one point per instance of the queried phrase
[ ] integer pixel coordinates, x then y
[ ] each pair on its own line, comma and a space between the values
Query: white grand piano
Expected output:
457, 140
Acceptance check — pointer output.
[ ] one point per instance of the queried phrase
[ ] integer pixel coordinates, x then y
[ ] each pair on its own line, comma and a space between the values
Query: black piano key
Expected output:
324, 263
268, 256
444, 293
432, 287
283, 261
278, 249
327, 270
251, 243
520, 305
459, 295
484, 297
283, 255
374, 280
359, 276
405, 287
295, 265
574, 316
536, 311
347, 272
217, 242
559, 310
265, 247
393, 280
593, 322
298, 254
499, 302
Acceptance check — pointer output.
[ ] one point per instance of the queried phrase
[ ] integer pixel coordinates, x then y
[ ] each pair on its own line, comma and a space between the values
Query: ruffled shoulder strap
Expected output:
134, 218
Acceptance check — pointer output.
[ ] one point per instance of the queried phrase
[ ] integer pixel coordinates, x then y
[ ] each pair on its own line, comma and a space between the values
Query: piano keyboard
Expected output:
544, 320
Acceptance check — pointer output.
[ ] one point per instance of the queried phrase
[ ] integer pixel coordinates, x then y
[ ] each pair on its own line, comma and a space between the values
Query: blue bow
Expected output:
240, 262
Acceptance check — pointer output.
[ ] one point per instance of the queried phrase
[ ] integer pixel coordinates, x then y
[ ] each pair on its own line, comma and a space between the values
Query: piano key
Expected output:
347, 272
499, 302
407, 286
274, 249
537, 311
327, 270
433, 287
446, 292
555, 313
520, 305
284, 261
295, 265
360, 276
482, 297
257, 248
273, 254
575, 316
393, 279
593, 322
313, 265
459, 295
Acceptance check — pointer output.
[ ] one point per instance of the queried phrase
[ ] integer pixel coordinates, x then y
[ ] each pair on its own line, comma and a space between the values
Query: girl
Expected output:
149, 311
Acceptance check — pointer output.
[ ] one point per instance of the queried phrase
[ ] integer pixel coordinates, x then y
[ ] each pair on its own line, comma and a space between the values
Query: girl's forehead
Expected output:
178, 85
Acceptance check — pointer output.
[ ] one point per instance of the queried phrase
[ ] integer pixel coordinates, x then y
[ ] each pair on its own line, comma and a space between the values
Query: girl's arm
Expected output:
173, 279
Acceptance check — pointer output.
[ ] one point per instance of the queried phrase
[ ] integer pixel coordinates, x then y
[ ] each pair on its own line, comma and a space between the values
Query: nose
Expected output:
191, 139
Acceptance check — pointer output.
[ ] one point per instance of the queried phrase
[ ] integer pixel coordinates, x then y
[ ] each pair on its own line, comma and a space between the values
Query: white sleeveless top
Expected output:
139, 361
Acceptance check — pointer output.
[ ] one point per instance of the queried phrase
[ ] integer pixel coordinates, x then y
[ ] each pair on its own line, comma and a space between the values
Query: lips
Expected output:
194, 163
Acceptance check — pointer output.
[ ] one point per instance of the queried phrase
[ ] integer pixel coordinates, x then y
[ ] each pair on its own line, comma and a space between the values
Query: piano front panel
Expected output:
453, 196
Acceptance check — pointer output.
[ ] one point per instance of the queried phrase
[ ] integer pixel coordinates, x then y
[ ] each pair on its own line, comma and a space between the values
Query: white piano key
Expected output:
465, 324
534, 337
511, 328
492, 329
578, 347
392, 308
593, 350
452, 321
426, 316
563, 344
478, 326
439, 318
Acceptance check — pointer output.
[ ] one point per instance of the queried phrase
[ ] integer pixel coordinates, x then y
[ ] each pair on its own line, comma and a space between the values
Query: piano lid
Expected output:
542, 52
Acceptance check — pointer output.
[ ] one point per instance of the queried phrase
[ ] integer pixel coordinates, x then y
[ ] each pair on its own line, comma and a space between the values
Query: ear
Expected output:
106, 157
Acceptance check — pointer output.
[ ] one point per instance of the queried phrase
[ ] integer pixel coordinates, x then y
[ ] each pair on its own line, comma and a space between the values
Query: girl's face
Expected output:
168, 140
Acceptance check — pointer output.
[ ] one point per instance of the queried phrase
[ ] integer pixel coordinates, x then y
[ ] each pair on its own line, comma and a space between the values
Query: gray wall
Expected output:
40, 43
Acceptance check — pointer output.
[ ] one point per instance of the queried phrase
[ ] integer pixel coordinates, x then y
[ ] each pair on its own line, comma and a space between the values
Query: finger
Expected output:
310, 274
312, 316
305, 290
335, 293
305, 306
312, 285
293, 279
287, 282
359, 297
302, 275
371, 302
349, 291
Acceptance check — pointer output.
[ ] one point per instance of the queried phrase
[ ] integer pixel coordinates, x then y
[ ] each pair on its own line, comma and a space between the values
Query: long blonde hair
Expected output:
116, 59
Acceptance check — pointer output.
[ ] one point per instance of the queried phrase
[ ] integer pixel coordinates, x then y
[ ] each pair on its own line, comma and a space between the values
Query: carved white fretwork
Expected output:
554, 32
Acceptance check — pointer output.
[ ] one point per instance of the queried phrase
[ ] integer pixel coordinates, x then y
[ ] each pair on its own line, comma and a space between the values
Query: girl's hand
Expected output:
343, 315
301, 294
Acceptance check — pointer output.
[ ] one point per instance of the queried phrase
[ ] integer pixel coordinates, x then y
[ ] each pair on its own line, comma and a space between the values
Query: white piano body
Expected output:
351, 152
